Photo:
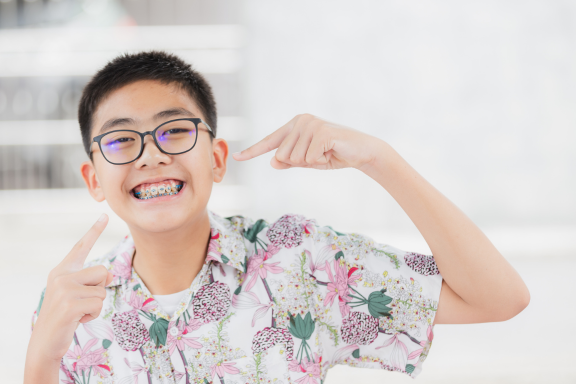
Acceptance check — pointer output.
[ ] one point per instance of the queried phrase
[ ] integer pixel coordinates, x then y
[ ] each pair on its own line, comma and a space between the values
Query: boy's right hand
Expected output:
73, 295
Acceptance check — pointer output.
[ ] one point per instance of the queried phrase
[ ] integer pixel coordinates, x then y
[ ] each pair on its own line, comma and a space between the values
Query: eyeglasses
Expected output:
172, 137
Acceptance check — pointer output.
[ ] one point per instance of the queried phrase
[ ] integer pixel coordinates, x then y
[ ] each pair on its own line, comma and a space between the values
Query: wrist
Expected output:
382, 158
40, 368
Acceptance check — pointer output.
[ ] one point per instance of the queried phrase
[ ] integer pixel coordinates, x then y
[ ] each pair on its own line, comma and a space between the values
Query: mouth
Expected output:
147, 191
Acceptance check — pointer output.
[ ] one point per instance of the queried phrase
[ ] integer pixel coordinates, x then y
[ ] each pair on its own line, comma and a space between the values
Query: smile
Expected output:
153, 190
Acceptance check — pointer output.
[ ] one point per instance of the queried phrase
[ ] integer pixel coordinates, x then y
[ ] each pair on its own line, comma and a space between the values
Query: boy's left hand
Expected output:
307, 141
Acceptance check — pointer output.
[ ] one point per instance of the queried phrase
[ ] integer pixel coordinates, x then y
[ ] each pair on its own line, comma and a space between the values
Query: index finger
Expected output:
270, 142
74, 260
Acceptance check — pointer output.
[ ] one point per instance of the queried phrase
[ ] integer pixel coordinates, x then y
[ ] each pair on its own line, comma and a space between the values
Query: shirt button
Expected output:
174, 331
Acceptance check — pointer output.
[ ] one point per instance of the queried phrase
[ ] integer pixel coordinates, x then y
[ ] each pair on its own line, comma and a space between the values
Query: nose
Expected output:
151, 156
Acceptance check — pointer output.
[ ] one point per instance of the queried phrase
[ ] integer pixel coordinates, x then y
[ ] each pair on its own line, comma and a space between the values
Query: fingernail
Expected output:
103, 217
235, 153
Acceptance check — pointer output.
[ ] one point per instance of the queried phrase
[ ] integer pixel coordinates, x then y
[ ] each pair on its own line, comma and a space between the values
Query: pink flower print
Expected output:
138, 301
214, 249
211, 302
309, 226
257, 266
177, 337
359, 328
415, 354
338, 287
101, 369
122, 266
83, 358
249, 300
69, 378
272, 249
399, 353
224, 367
311, 369
130, 332
193, 325
99, 329
178, 376
325, 254
136, 370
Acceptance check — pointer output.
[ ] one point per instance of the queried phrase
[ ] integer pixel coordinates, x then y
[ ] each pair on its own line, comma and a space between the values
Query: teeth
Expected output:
150, 191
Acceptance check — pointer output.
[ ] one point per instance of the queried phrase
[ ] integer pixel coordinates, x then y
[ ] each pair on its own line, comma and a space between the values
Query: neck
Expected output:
168, 262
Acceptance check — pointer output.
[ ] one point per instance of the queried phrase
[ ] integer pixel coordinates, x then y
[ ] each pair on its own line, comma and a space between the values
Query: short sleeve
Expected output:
375, 304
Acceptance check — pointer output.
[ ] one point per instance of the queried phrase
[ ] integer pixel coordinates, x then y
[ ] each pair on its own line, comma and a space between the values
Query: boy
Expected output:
191, 297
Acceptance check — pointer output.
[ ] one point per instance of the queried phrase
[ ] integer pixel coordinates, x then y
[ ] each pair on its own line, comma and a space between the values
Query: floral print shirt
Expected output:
278, 302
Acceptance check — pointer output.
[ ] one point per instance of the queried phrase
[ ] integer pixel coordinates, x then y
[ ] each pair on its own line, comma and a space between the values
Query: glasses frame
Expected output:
195, 120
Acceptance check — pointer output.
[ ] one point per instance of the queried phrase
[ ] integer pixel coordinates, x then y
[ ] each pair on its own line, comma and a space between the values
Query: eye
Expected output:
176, 130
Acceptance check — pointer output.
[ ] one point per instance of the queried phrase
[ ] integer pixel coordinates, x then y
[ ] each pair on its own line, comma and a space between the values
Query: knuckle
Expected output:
96, 306
280, 156
102, 270
59, 280
101, 292
79, 244
295, 158
53, 274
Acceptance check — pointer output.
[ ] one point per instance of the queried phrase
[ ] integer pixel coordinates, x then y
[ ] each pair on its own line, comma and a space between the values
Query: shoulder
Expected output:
287, 231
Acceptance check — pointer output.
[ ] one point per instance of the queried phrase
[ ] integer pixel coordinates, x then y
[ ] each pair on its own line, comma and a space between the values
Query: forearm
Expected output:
40, 368
467, 260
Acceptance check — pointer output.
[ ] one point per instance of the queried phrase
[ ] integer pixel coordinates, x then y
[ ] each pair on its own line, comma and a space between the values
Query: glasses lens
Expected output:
177, 136
121, 146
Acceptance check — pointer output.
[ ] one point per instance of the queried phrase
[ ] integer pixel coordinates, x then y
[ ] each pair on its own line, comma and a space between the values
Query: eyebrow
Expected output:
112, 123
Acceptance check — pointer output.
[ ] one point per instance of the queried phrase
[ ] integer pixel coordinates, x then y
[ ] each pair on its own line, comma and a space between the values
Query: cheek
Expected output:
200, 170
112, 179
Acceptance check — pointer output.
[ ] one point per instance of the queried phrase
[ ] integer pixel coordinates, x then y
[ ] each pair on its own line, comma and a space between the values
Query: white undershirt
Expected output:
169, 302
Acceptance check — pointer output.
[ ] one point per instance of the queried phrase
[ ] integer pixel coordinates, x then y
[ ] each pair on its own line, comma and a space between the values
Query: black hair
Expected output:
151, 65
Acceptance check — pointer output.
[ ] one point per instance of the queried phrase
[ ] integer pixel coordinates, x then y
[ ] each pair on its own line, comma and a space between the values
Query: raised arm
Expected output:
479, 284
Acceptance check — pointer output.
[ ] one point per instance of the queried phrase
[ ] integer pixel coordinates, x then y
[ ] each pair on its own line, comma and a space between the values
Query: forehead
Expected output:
140, 101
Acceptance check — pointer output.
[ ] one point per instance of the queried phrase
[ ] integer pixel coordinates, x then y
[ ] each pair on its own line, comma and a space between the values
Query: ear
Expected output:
91, 179
220, 154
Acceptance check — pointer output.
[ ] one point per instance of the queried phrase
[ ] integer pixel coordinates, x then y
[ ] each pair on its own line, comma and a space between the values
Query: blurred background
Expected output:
479, 97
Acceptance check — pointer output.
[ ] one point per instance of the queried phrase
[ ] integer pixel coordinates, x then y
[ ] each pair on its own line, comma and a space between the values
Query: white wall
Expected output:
478, 96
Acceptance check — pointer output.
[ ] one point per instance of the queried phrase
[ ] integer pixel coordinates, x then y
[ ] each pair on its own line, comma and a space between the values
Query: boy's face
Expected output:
196, 170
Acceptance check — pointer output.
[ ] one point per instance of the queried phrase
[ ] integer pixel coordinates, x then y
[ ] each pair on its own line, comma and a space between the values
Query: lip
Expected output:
161, 198
156, 180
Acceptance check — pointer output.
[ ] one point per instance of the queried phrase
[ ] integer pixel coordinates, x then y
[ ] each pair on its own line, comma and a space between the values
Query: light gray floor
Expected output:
537, 346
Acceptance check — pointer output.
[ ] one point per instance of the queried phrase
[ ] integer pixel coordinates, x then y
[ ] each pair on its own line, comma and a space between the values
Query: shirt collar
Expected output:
226, 246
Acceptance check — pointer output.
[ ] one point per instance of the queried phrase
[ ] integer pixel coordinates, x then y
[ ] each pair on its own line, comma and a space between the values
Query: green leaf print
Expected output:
336, 232
106, 343
302, 328
253, 232
225, 260
245, 264
159, 331
238, 290
376, 302
410, 368
135, 288
356, 354
339, 255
